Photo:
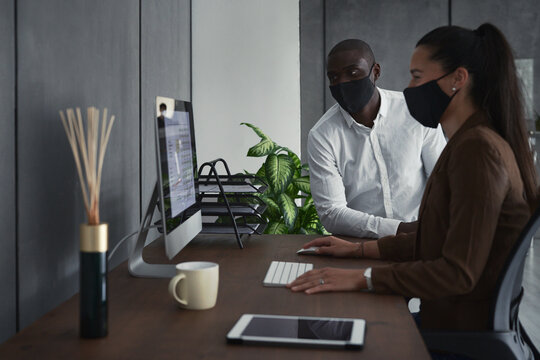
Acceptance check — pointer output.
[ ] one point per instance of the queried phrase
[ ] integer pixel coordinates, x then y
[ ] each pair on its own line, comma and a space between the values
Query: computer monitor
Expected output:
177, 173
176, 189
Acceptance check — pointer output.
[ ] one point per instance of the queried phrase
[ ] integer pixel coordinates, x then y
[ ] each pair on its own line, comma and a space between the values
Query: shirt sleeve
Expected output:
434, 143
478, 183
329, 196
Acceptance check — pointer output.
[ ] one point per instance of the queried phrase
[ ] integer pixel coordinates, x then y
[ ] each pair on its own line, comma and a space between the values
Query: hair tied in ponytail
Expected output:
480, 31
495, 87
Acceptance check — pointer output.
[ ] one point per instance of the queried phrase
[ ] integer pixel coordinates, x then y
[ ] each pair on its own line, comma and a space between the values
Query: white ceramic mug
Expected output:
195, 286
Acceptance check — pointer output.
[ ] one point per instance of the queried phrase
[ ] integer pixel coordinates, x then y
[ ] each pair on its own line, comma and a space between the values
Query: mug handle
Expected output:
172, 288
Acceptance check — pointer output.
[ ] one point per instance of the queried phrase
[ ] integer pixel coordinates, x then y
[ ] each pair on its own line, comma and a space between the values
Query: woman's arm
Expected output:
334, 246
477, 186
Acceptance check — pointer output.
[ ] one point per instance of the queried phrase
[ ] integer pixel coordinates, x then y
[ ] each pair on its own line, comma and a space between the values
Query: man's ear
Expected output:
376, 72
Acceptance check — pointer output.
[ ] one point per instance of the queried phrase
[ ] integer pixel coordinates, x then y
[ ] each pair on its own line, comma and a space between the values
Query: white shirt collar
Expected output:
383, 110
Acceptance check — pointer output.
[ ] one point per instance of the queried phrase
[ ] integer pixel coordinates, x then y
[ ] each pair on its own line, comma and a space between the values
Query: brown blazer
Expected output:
472, 212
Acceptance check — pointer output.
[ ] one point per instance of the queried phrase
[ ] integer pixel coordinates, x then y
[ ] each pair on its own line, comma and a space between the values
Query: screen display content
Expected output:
177, 158
299, 329
179, 162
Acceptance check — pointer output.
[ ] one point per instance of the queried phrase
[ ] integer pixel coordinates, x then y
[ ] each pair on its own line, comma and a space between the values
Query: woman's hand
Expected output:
331, 245
329, 279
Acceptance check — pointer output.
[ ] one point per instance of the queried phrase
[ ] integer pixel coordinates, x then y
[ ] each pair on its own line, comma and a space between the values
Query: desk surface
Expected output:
145, 323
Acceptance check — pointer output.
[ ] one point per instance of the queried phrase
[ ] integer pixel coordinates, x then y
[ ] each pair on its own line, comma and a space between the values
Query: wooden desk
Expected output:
145, 323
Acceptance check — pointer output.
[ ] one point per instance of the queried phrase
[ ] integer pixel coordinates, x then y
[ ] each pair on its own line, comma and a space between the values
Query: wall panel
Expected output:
7, 171
72, 53
165, 71
312, 67
519, 20
391, 27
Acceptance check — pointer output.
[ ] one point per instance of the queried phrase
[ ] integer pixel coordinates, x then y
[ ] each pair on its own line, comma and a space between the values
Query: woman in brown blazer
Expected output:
477, 199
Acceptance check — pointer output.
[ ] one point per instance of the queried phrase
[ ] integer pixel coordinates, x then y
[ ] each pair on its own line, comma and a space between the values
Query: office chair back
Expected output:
507, 339
509, 291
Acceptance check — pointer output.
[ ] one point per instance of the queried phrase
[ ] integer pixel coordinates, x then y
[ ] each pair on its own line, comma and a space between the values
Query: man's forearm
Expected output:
347, 221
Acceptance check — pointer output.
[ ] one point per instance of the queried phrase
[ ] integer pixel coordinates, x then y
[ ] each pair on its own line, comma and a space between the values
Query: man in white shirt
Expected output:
369, 158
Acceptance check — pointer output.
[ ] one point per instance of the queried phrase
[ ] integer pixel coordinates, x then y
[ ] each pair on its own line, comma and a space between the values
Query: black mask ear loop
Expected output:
454, 90
370, 70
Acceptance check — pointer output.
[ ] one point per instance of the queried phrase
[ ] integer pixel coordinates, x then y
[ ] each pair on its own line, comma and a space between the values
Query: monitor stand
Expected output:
136, 264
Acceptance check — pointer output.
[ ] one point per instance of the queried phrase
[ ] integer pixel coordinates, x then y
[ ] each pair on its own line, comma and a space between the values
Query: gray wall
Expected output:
392, 28
7, 170
86, 54
519, 20
116, 54
389, 27
312, 67
166, 71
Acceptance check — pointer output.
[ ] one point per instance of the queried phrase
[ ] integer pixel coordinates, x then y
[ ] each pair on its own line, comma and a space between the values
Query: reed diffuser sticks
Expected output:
89, 151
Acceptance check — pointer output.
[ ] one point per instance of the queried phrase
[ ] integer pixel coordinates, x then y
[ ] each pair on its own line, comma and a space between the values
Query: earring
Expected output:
453, 89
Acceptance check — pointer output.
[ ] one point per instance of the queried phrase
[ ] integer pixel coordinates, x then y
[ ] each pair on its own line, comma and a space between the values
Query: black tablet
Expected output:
298, 331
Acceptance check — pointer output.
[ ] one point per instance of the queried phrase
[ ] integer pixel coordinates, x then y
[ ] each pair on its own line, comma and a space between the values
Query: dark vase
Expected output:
93, 281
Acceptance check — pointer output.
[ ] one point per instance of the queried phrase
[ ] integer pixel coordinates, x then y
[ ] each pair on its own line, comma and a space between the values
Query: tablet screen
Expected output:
299, 328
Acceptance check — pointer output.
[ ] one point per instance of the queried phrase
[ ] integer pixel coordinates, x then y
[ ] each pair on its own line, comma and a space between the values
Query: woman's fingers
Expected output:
328, 279
312, 282
311, 276
306, 285
322, 241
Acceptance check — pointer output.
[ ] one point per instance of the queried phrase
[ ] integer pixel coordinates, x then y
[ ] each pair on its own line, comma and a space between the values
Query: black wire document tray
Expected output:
245, 184
249, 229
231, 201
240, 209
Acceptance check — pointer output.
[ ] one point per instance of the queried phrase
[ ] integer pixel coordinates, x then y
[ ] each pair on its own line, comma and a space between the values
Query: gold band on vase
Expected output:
94, 238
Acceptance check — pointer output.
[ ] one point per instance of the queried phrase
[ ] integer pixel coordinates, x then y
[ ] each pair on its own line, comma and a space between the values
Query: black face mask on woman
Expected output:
427, 102
354, 95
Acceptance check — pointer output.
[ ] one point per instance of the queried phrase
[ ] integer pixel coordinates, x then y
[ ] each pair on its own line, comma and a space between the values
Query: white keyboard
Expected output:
280, 273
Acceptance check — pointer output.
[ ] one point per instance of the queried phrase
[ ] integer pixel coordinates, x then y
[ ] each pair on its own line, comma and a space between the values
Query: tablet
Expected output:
298, 331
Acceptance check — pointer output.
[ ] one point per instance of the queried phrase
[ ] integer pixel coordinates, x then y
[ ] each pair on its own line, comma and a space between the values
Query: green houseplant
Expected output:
288, 185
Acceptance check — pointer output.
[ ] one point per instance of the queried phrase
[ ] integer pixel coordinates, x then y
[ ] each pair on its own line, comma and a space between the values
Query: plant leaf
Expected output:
260, 173
308, 203
279, 171
257, 131
263, 148
260, 177
311, 219
288, 209
292, 191
302, 183
273, 212
309, 231
294, 158
276, 227
322, 230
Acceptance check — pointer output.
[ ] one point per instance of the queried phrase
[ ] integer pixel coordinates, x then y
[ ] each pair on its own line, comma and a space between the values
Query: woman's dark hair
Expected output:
495, 89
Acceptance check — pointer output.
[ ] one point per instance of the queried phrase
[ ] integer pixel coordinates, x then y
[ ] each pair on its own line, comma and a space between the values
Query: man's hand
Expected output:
407, 227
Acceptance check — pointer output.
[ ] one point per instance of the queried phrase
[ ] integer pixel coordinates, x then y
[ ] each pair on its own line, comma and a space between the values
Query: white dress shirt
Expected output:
365, 181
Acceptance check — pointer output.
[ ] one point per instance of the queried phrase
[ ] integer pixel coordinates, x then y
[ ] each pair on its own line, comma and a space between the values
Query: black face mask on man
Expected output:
427, 102
353, 95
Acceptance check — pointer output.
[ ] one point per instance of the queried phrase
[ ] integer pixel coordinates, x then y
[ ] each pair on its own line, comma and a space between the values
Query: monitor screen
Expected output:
177, 161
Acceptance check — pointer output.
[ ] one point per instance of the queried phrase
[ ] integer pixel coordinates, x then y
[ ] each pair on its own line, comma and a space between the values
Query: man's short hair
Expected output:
354, 44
